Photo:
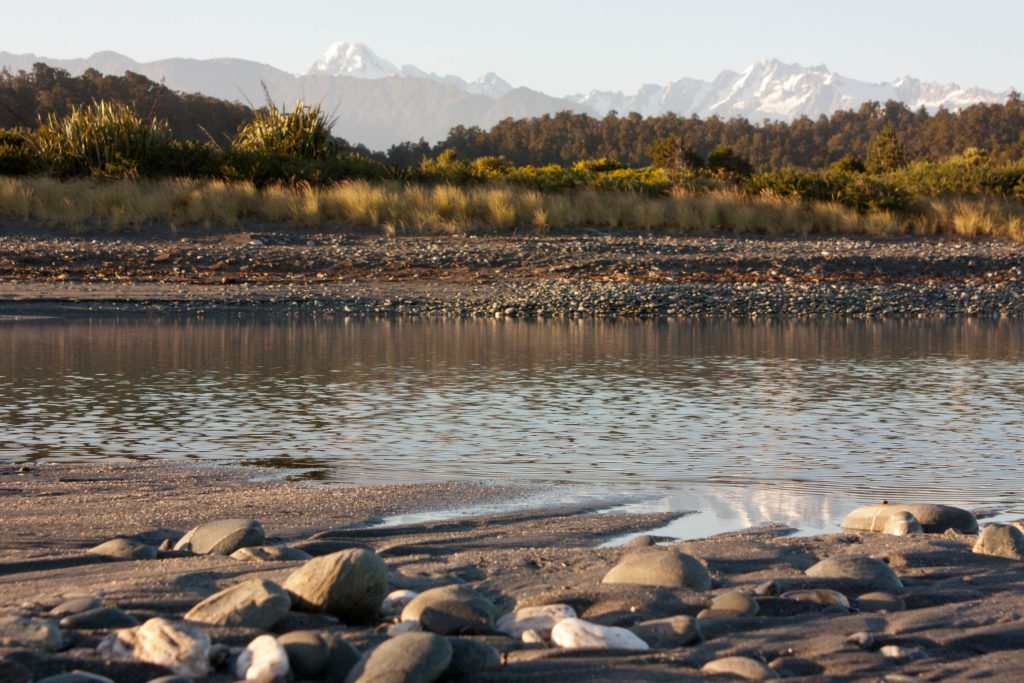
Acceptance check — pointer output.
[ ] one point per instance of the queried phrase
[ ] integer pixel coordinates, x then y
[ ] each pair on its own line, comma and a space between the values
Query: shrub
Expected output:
16, 156
304, 132
103, 139
602, 165
724, 161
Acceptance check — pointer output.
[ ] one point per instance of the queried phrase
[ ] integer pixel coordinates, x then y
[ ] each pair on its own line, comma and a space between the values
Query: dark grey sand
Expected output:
964, 616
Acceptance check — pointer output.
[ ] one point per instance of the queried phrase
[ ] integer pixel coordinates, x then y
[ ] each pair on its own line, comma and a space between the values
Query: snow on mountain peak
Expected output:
352, 59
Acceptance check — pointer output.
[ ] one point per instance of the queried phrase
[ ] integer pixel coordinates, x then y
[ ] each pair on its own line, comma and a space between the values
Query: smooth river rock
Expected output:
663, 567
307, 652
576, 633
263, 659
350, 584
470, 657
256, 603
408, 658
435, 598
26, 632
736, 601
270, 553
861, 568
880, 602
822, 596
101, 617
182, 648
669, 632
1001, 540
124, 549
75, 605
222, 536
743, 667
396, 600
934, 519
540, 619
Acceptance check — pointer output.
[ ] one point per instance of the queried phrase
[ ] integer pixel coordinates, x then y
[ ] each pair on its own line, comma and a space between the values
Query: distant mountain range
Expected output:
379, 104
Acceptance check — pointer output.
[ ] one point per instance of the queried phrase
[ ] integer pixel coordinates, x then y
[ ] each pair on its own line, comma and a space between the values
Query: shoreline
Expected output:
594, 274
961, 616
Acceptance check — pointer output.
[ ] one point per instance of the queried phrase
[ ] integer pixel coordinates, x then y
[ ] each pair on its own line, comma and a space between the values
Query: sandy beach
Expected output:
959, 614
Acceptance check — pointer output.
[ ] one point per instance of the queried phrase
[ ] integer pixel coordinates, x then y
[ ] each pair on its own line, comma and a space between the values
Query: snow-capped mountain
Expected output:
358, 61
379, 104
770, 89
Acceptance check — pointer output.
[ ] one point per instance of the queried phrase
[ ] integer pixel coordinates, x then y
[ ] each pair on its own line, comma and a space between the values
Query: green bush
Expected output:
304, 133
16, 156
103, 140
263, 169
602, 165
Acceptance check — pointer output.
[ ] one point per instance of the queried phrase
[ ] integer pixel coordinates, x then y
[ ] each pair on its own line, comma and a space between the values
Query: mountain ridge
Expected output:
379, 104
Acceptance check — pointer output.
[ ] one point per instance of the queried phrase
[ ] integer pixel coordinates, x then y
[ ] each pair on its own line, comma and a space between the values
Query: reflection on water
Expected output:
793, 422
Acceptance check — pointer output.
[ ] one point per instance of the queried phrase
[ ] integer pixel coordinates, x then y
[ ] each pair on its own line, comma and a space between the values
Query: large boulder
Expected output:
350, 584
222, 536
663, 567
182, 648
256, 603
934, 519
858, 568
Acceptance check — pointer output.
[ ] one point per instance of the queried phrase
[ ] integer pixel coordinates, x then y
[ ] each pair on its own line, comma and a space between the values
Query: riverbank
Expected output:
957, 614
590, 274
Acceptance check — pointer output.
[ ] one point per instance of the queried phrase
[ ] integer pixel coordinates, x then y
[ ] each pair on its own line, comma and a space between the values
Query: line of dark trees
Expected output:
563, 138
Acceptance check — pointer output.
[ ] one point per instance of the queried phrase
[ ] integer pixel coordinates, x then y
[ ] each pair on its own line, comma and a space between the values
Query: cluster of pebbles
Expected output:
559, 276
649, 615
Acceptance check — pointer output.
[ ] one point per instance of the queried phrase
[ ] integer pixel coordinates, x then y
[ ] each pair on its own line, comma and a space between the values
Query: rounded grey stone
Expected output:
712, 613
124, 549
734, 600
307, 652
663, 567
1001, 540
222, 536
256, 603
409, 658
270, 553
26, 632
455, 617
880, 602
743, 667
101, 617
858, 568
470, 657
342, 657
443, 599
74, 606
350, 584
669, 632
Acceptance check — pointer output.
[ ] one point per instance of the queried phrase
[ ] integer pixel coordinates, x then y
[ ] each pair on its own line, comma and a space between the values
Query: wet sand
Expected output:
964, 613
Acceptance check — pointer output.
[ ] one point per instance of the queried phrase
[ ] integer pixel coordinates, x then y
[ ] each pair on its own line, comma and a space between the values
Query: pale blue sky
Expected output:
555, 47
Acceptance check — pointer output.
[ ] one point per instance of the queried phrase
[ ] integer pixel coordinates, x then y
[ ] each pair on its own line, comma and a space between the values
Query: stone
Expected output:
256, 603
124, 549
575, 633
270, 553
101, 617
350, 584
531, 637
395, 601
669, 632
29, 633
307, 652
182, 648
455, 617
1001, 540
902, 523
410, 657
172, 679
446, 594
862, 639
341, 659
641, 541
934, 519
767, 589
793, 667
74, 606
540, 619
222, 536
263, 659
880, 602
403, 627
712, 613
859, 568
663, 567
734, 600
13, 672
743, 667
75, 676
470, 657
901, 652
822, 596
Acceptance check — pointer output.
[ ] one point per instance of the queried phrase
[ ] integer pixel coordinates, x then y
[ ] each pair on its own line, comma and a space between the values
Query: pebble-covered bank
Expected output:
561, 276
906, 593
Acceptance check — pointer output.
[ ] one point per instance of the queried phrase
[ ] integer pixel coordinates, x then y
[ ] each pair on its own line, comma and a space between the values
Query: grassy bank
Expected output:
409, 208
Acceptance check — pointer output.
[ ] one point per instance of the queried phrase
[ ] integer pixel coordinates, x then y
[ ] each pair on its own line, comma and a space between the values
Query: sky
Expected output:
556, 47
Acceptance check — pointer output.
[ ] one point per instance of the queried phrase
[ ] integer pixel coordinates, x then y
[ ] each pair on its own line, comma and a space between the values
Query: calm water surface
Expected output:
791, 422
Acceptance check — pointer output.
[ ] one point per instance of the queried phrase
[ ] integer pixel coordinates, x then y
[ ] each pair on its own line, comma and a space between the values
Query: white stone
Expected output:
576, 633
540, 619
404, 627
531, 637
395, 602
263, 659
902, 523
182, 648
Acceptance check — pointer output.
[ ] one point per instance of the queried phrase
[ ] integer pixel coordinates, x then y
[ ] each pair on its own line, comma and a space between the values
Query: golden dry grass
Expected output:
396, 208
